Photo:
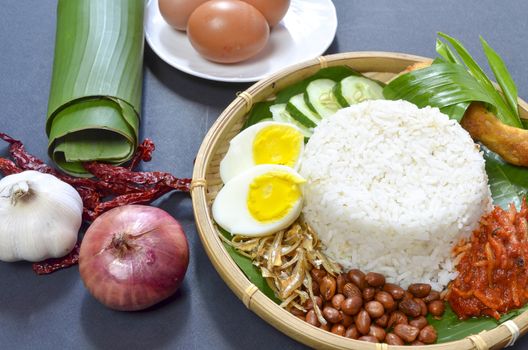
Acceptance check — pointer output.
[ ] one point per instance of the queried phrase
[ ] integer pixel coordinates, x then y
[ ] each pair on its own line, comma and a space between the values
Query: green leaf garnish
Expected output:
502, 76
446, 52
456, 78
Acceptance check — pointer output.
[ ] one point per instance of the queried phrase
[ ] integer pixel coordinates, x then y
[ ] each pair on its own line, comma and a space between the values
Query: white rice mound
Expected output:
391, 188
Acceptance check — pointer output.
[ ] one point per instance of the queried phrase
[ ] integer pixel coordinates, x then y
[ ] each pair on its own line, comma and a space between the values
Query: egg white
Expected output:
231, 212
239, 156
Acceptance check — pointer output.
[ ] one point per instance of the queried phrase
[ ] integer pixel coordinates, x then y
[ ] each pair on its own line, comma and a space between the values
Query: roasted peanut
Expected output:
397, 317
423, 306
433, 295
408, 295
318, 274
352, 332
347, 320
377, 332
362, 306
410, 308
297, 312
337, 300
309, 303
369, 338
374, 308
315, 287
386, 300
375, 279
351, 306
341, 280
327, 287
350, 289
393, 339
427, 335
311, 318
382, 321
338, 329
369, 293
419, 322
406, 333
363, 322
396, 291
319, 301
436, 307
331, 315
420, 290
358, 278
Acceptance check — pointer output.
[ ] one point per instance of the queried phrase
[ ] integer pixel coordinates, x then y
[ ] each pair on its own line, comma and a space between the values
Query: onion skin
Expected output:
133, 257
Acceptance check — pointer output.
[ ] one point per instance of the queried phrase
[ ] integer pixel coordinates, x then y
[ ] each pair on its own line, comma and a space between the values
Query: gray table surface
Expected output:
56, 312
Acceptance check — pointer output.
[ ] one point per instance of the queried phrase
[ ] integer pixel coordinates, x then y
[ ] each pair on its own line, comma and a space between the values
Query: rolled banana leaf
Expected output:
95, 97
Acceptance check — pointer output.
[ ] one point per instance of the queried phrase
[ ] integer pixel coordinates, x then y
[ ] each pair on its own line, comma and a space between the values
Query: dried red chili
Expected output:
112, 186
51, 265
143, 153
7, 167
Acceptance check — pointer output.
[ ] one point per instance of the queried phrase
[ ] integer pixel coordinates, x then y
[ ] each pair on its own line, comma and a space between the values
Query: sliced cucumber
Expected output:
321, 97
354, 89
280, 114
300, 111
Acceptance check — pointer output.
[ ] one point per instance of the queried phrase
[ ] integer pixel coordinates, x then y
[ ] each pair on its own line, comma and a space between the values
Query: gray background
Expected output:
56, 312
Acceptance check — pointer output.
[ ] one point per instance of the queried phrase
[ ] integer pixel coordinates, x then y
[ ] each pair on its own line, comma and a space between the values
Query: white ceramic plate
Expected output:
306, 32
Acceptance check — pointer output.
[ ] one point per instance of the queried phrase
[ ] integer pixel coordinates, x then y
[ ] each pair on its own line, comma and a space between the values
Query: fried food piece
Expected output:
507, 141
416, 66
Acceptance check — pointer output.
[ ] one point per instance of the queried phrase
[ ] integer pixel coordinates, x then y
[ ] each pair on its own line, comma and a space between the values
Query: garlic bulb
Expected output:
40, 217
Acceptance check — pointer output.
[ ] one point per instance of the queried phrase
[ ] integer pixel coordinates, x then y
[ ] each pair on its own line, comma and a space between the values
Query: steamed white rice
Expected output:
391, 187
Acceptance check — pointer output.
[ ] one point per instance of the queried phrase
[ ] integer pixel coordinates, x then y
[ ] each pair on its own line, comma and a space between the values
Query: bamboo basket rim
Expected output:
233, 276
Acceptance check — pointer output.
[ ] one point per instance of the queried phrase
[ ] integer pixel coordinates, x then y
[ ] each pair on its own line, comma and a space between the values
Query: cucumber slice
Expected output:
280, 114
354, 89
321, 97
300, 111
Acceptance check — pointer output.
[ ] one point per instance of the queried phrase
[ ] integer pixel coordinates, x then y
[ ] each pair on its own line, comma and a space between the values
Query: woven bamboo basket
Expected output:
206, 183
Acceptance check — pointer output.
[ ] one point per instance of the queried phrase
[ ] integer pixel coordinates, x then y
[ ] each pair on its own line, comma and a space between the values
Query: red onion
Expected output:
133, 257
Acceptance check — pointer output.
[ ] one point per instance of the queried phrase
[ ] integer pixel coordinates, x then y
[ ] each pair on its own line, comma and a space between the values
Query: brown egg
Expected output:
273, 10
227, 31
176, 12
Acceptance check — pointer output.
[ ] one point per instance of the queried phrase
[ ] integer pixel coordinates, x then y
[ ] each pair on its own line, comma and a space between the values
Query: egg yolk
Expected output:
277, 144
271, 196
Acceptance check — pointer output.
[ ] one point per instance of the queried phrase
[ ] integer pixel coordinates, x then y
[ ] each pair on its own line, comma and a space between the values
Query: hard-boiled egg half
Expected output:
263, 143
259, 201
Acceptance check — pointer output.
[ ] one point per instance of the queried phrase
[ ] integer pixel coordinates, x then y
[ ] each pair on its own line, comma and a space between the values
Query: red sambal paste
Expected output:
493, 267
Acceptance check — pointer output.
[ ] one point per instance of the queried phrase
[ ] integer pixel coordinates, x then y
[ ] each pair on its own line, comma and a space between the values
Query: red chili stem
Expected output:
143, 153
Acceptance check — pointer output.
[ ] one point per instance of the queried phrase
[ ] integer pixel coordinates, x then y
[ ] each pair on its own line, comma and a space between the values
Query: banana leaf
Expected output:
95, 95
451, 328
